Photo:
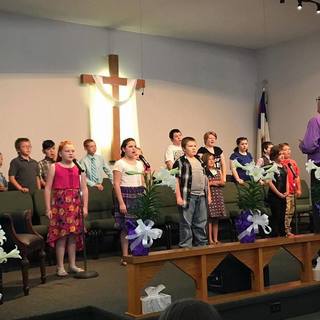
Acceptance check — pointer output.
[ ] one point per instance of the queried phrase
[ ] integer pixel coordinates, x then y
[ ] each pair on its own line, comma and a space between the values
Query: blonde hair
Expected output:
62, 144
207, 134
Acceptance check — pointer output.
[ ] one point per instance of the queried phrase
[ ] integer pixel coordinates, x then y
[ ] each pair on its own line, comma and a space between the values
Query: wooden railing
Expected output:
199, 262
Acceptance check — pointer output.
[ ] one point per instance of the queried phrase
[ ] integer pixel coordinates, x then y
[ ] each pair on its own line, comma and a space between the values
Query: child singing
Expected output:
277, 194
63, 207
127, 189
216, 209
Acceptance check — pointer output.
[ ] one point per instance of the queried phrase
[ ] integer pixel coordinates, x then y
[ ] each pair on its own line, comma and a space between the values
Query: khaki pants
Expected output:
289, 213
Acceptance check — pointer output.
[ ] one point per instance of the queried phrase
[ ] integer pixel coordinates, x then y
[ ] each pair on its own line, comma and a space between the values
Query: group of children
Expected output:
65, 190
281, 192
199, 181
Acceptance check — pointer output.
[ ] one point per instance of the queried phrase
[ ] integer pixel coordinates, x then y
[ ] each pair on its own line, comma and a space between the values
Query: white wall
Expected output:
293, 72
41, 106
192, 86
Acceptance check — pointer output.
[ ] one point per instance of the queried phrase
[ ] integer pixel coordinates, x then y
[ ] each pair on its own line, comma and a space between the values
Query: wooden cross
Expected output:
115, 81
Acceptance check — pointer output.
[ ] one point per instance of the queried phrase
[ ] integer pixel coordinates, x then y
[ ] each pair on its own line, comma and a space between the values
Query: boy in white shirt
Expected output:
174, 150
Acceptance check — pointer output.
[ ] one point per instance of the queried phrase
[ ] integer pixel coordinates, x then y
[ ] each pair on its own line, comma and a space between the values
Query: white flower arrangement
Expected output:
15, 253
251, 196
311, 166
166, 177
251, 201
258, 173
148, 204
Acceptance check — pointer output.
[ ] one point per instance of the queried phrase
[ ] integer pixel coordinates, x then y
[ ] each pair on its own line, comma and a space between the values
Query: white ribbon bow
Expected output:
154, 291
144, 234
257, 219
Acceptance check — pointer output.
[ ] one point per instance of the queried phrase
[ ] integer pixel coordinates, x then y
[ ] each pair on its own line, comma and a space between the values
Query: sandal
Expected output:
290, 235
75, 269
61, 272
123, 263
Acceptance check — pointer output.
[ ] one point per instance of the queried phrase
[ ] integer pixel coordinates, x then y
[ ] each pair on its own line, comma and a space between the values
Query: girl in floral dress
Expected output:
63, 207
216, 209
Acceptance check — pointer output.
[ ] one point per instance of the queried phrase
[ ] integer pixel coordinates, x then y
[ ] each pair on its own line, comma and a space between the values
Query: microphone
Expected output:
77, 163
292, 170
145, 162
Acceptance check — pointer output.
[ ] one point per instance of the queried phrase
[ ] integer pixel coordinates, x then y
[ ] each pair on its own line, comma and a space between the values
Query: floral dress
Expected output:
65, 206
216, 208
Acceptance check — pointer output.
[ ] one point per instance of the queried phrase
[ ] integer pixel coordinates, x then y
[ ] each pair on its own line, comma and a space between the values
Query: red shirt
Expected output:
290, 178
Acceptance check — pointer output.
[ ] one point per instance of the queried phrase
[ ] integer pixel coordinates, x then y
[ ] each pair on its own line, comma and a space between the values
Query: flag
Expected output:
263, 126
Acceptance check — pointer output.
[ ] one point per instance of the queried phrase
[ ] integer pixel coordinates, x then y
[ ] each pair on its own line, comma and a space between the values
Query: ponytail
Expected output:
238, 141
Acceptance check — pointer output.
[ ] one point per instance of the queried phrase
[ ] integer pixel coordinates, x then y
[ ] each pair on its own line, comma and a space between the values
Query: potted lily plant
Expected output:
141, 233
251, 201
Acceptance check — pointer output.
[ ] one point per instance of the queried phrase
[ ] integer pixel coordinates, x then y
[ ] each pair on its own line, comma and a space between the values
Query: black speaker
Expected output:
231, 276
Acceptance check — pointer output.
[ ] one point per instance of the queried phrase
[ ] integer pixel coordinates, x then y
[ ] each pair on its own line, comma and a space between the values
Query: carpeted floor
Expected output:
109, 290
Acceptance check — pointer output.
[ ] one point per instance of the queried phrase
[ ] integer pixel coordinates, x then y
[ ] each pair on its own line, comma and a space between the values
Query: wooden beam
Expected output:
88, 79
113, 61
224, 247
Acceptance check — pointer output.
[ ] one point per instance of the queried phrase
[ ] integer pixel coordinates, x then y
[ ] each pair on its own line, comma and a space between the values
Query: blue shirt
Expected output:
242, 159
101, 168
3, 180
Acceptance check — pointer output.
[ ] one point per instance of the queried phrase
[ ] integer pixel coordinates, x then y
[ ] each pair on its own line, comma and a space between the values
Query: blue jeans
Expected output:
193, 221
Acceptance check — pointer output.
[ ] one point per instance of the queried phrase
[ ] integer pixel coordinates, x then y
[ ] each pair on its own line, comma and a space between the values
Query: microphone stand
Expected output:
295, 204
294, 198
84, 274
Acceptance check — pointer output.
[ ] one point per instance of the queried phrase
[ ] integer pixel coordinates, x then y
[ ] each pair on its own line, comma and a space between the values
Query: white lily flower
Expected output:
251, 169
317, 173
256, 173
2, 236
270, 171
15, 253
310, 166
273, 168
237, 164
166, 177
248, 167
269, 176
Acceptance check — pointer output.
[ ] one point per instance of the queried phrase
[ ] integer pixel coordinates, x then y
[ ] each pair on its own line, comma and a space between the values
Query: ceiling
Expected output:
243, 23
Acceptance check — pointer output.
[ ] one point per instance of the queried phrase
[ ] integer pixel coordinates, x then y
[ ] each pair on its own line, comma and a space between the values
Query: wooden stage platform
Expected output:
199, 262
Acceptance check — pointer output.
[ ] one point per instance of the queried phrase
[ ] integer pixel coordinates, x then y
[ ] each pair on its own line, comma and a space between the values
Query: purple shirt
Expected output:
310, 144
